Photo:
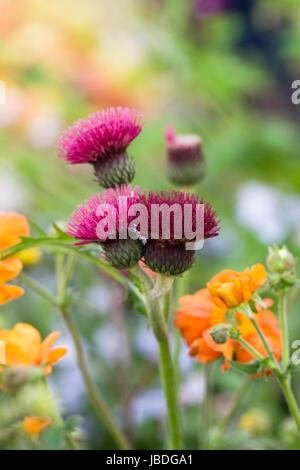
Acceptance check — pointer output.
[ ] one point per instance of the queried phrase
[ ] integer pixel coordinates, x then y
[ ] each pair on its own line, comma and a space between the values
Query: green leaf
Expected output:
39, 231
53, 438
253, 306
250, 368
61, 234
72, 423
60, 246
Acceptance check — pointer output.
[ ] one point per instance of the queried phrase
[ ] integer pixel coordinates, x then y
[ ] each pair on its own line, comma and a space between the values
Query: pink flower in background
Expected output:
210, 7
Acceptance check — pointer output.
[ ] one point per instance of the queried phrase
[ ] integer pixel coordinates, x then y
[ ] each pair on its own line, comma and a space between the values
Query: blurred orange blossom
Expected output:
24, 347
12, 227
35, 425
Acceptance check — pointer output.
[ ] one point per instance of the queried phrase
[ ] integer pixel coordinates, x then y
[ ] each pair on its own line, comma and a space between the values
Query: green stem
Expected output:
170, 390
181, 289
234, 407
35, 286
262, 337
250, 348
140, 273
168, 305
282, 308
166, 369
93, 392
290, 399
206, 407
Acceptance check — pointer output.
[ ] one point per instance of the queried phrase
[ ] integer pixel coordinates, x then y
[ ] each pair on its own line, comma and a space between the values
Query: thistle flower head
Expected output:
104, 207
170, 216
185, 159
102, 134
102, 140
178, 211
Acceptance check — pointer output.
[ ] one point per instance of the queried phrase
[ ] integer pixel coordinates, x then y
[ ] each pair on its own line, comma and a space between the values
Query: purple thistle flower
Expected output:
169, 255
86, 218
211, 227
102, 140
120, 251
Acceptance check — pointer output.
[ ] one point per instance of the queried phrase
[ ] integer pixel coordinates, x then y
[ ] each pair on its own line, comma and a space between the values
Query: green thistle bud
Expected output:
123, 254
185, 158
168, 258
221, 333
115, 171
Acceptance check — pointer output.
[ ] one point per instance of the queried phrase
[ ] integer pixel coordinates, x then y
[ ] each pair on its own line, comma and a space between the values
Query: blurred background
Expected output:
222, 69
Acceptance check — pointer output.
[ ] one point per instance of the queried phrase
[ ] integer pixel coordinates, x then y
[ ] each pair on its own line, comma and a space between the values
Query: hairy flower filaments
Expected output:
100, 221
183, 221
185, 158
102, 140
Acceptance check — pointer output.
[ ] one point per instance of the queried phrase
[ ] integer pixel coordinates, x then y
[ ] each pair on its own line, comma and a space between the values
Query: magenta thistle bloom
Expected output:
167, 252
181, 199
99, 221
102, 140
185, 158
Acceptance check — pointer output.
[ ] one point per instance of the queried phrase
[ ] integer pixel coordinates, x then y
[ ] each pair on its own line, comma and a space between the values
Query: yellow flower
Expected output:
29, 256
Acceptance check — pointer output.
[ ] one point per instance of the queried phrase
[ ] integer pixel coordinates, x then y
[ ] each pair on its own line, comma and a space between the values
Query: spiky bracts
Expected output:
185, 158
189, 219
102, 140
105, 219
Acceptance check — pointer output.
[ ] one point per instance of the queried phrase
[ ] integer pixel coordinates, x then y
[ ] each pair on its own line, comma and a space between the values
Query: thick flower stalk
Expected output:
185, 158
176, 219
102, 140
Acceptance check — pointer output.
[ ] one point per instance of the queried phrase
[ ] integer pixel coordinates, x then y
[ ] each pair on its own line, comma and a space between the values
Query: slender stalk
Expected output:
262, 337
250, 348
234, 407
48, 296
290, 399
206, 406
282, 309
182, 288
170, 390
93, 392
139, 272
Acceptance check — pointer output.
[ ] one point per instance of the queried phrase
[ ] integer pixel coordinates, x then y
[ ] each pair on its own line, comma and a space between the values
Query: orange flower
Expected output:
196, 317
229, 288
24, 347
12, 227
34, 425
